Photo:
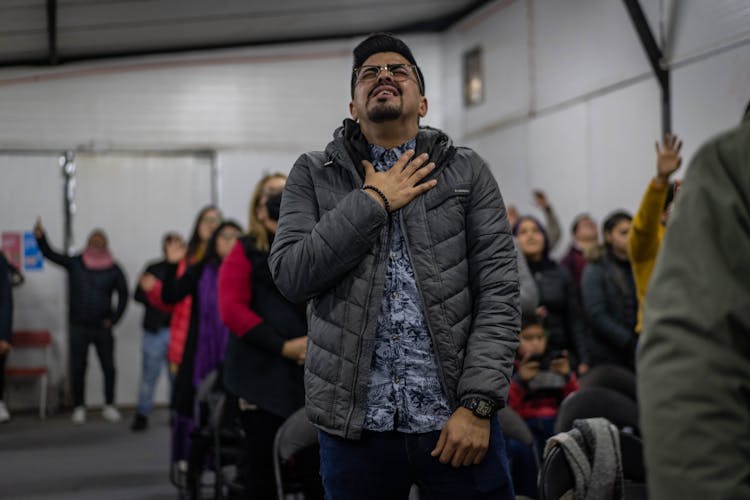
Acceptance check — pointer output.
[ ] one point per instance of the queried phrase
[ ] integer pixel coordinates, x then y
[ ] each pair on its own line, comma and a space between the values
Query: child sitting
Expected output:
541, 381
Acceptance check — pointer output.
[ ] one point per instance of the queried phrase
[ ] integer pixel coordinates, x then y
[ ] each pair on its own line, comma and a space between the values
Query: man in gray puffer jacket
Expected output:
400, 243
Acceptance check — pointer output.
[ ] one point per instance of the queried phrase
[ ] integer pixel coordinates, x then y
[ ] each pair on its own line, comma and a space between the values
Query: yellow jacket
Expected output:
645, 240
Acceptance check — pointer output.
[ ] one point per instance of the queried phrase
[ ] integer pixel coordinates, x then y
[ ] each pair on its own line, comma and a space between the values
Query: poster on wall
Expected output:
11, 247
32, 255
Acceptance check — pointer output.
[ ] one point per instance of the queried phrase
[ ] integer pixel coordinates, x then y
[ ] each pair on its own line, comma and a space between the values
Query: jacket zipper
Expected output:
424, 312
377, 266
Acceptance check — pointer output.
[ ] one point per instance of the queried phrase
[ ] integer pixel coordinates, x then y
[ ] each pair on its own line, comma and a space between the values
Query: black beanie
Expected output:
383, 42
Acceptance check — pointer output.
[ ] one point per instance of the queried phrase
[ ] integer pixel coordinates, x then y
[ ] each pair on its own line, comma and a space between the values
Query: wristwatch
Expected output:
482, 408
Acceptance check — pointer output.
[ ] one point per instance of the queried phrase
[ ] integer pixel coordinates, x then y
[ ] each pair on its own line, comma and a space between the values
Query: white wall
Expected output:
287, 98
571, 104
249, 112
32, 186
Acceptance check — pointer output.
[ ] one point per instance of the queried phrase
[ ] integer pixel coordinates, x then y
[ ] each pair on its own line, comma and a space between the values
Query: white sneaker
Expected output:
4, 415
79, 415
111, 414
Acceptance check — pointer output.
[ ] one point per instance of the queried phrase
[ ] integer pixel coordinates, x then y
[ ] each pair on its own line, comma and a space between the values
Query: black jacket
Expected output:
173, 290
6, 301
253, 367
608, 291
154, 319
90, 290
564, 321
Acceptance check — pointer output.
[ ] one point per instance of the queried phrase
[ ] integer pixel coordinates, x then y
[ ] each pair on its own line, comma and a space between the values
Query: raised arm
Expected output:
50, 254
551, 222
643, 244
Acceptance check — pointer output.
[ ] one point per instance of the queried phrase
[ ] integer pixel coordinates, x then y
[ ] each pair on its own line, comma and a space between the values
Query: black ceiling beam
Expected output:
429, 26
655, 58
52, 56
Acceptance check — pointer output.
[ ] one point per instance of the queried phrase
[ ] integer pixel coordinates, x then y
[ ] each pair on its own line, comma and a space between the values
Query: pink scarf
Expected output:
97, 259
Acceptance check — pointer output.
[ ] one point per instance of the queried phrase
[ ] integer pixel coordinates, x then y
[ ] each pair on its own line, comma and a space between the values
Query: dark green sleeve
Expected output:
694, 357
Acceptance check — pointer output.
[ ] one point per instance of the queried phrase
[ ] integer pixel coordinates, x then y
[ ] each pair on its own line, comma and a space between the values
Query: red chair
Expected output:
33, 339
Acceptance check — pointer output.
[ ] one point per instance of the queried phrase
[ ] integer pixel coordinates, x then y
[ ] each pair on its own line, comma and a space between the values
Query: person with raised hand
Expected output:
649, 222
93, 278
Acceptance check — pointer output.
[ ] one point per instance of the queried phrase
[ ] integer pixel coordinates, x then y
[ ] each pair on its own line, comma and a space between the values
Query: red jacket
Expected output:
574, 261
541, 404
235, 293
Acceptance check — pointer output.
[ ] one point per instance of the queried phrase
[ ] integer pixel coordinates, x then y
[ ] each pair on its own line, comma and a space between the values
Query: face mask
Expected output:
273, 206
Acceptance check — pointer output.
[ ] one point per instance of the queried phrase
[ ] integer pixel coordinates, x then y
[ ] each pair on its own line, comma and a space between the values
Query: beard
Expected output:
383, 112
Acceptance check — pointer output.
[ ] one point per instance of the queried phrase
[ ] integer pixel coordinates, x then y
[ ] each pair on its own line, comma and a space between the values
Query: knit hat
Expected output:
383, 42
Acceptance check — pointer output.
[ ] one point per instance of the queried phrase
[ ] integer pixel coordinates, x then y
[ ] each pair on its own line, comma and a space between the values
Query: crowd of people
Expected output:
429, 307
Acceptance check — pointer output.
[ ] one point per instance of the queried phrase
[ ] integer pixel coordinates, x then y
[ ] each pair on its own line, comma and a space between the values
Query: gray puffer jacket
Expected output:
331, 249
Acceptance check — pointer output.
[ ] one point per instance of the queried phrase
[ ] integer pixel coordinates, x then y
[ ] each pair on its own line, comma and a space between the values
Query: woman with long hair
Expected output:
205, 224
559, 306
207, 336
609, 298
266, 351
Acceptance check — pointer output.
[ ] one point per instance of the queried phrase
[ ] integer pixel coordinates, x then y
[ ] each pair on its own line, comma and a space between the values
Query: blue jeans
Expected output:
154, 357
384, 465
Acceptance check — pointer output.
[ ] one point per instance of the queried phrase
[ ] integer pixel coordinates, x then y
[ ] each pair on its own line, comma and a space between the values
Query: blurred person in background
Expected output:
609, 299
541, 380
651, 217
266, 351
93, 278
585, 237
206, 222
207, 336
6, 329
155, 341
559, 305
551, 221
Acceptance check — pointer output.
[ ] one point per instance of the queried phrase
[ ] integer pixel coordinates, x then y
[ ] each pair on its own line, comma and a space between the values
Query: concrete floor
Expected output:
53, 459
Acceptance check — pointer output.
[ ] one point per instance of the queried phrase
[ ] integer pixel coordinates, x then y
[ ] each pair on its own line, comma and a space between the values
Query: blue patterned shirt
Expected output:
404, 391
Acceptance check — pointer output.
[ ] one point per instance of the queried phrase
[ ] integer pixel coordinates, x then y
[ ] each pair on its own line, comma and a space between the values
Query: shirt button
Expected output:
394, 295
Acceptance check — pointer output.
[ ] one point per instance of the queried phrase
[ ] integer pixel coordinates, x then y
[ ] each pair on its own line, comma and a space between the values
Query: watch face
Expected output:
483, 408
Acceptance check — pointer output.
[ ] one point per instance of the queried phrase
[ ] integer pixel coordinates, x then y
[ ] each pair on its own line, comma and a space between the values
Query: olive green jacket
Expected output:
694, 357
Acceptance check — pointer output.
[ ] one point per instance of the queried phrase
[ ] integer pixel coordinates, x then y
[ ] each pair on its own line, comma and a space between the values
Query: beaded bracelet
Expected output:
381, 194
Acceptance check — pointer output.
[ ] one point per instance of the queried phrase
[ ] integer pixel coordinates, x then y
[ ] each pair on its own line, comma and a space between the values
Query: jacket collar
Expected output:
350, 147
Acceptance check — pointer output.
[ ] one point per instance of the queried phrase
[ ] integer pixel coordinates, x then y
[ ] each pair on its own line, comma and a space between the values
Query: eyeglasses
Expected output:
399, 72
